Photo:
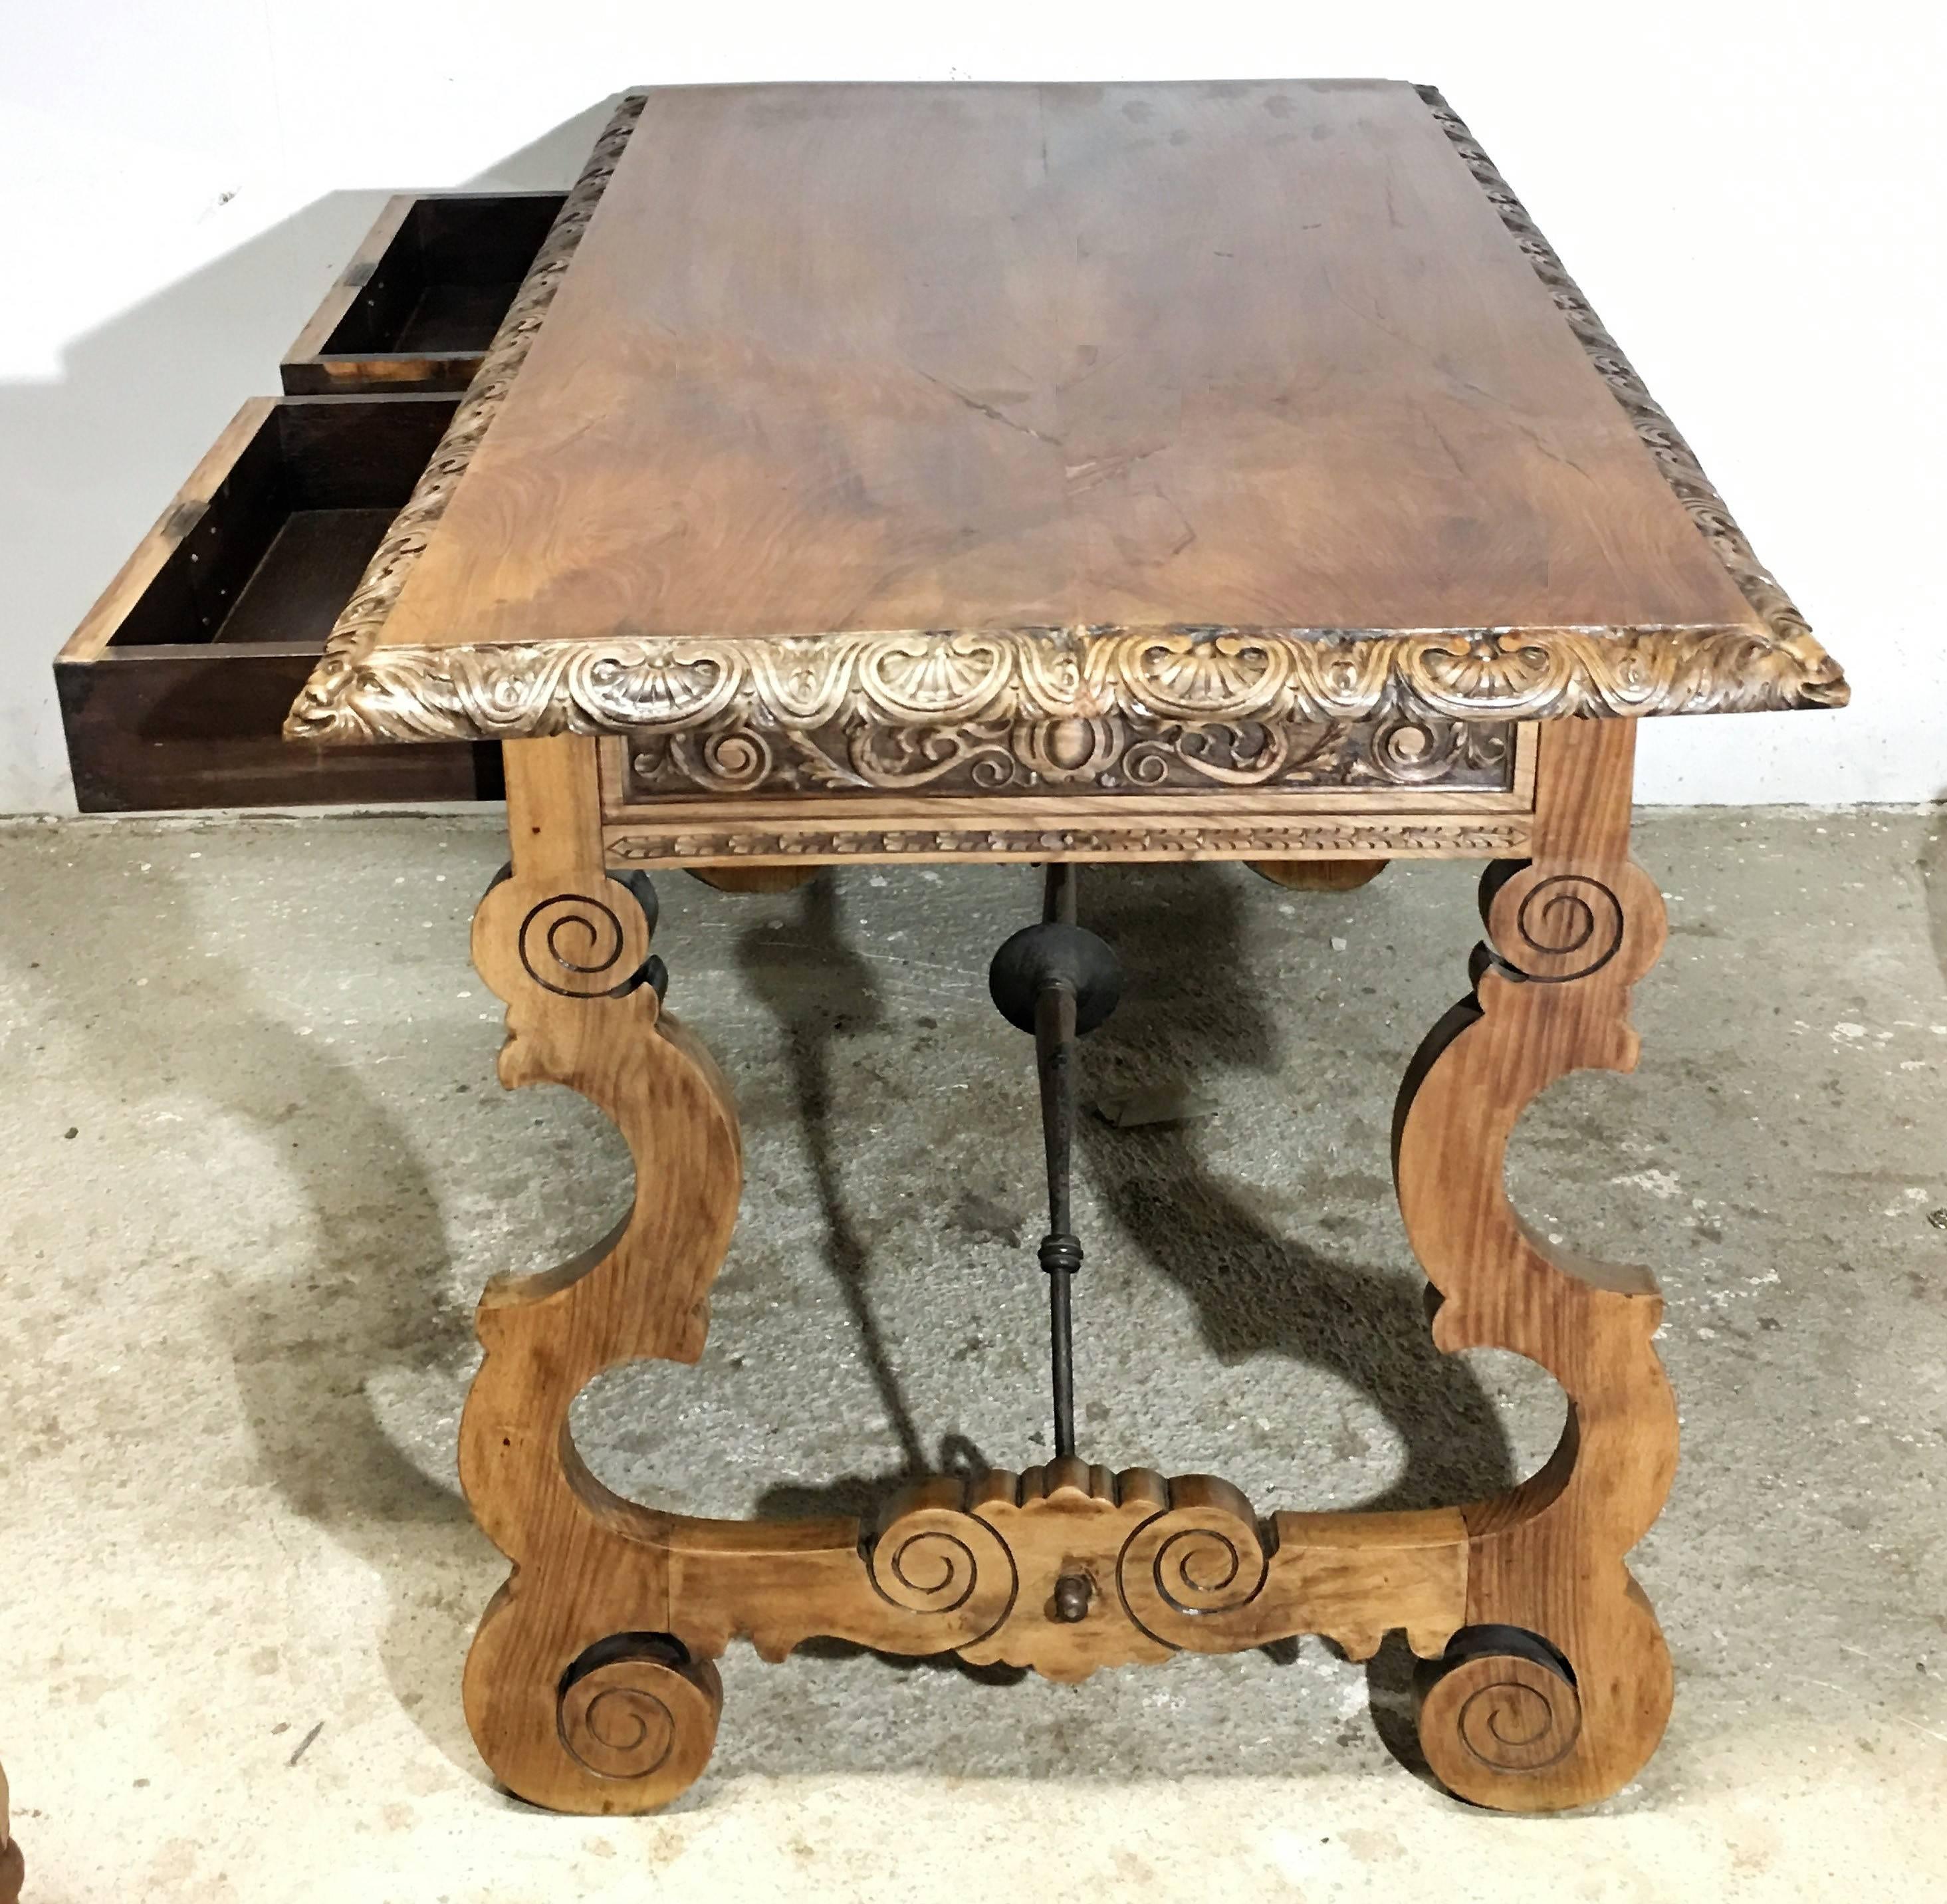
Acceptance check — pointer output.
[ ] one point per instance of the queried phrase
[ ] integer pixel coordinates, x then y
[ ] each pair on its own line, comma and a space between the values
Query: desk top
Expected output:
1234, 399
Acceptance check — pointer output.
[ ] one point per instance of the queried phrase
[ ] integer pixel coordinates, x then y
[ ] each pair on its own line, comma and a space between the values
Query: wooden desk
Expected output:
1061, 473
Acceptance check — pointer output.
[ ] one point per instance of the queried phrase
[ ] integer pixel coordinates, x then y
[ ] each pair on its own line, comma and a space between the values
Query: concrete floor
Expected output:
255, 1168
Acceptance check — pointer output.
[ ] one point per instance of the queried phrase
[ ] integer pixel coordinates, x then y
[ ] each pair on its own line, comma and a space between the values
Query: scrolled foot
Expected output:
1508, 1721
1500, 1707
628, 1724
637, 1711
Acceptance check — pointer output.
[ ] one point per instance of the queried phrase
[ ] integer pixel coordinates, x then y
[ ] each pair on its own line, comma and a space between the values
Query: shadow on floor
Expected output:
1191, 1013
821, 992
362, 1290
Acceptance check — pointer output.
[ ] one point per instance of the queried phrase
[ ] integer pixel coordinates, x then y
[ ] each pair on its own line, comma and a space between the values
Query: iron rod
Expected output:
1060, 1248
1057, 893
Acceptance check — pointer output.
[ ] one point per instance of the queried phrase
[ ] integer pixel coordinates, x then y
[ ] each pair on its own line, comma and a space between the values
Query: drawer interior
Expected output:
277, 548
445, 281
174, 690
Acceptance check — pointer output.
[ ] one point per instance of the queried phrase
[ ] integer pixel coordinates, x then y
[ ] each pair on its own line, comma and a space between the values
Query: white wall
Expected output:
1751, 194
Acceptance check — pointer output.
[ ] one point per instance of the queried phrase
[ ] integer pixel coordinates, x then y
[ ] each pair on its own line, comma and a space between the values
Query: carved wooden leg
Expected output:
578, 1695
1557, 1690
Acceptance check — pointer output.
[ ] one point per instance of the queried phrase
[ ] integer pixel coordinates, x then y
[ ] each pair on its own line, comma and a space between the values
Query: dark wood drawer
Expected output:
174, 690
420, 301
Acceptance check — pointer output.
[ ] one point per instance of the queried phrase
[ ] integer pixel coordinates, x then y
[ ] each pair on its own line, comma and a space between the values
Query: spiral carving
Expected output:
1199, 1559
1205, 1570
578, 946
616, 1728
1505, 1714
937, 1560
736, 759
927, 1569
1418, 751
1557, 926
635, 1707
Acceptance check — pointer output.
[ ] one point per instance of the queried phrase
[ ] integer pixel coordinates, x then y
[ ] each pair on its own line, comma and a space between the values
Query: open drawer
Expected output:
174, 690
421, 300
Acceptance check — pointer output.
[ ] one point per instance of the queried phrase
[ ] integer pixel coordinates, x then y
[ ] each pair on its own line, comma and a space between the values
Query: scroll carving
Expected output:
579, 946
1169, 1565
730, 694
1015, 746
1560, 1683
634, 1709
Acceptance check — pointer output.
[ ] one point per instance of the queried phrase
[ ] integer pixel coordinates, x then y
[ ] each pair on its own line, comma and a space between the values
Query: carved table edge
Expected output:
1820, 683
919, 682
361, 692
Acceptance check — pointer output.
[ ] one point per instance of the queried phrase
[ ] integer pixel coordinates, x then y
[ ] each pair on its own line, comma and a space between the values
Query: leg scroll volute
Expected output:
1558, 1688
578, 1695
591, 1685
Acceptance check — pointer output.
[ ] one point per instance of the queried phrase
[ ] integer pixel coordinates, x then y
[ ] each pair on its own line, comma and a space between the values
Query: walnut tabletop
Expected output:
1038, 402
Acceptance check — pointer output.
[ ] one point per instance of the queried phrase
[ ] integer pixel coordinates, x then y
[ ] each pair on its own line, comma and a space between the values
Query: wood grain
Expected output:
1319, 875
590, 1685
1570, 930
564, 945
883, 358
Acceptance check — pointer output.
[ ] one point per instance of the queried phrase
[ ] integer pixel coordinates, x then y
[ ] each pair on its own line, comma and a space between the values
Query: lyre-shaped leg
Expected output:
570, 1702
1558, 1690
